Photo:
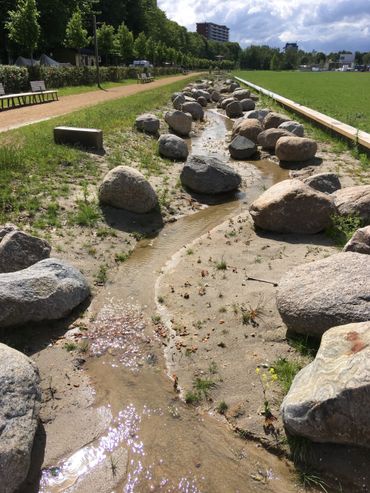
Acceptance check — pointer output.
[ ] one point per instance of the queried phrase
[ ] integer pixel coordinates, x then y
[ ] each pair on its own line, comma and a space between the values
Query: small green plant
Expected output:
286, 370
101, 276
70, 346
252, 314
189, 251
213, 368
192, 397
222, 407
311, 480
121, 257
83, 346
304, 344
221, 264
160, 299
343, 228
203, 386
156, 319
266, 378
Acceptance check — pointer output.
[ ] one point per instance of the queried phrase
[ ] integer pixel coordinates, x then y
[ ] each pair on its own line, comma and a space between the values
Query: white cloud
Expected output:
323, 25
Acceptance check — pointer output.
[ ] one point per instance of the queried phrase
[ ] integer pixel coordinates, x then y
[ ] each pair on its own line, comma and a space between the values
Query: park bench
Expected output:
38, 94
144, 78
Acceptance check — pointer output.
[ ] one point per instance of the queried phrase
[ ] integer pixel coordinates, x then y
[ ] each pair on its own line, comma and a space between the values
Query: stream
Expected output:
154, 441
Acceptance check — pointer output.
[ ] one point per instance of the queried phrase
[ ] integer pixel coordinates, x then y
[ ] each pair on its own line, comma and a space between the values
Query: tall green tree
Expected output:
151, 50
125, 43
76, 36
105, 34
23, 26
140, 46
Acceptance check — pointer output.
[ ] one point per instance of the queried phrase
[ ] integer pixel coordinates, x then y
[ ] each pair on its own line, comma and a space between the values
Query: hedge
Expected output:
16, 79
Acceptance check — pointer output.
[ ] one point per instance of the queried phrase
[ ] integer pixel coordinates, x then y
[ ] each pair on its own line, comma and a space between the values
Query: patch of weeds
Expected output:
300, 449
221, 264
87, 214
70, 346
121, 257
156, 319
83, 346
311, 480
213, 369
49, 218
305, 345
164, 199
286, 370
222, 309
203, 385
104, 232
160, 299
252, 314
192, 397
189, 251
343, 228
138, 236
101, 276
222, 407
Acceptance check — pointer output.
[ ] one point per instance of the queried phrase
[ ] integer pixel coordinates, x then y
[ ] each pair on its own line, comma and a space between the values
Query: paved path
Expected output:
19, 117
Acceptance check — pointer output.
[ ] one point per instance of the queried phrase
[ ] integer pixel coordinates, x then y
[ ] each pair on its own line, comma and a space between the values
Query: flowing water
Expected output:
155, 442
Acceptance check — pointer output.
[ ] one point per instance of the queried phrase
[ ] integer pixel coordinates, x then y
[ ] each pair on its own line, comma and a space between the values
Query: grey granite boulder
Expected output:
268, 138
294, 127
242, 148
216, 96
257, 114
354, 201
48, 290
247, 104
20, 398
175, 95
179, 101
314, 297
295, 148
234, 109
194, 109
202, 101
179, 122
324, 182
147, 123
273, 120
126, 188
240, 94
247, 127
233, 86
360, 241
173, 147
209, 175
329, 399
292, 207
224, 102
19, 250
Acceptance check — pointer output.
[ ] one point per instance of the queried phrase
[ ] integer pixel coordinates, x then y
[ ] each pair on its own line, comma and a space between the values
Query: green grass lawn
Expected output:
68, 91
342, 95
35, 172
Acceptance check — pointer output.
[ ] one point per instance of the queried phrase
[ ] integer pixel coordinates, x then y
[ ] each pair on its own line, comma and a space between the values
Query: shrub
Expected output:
15, 79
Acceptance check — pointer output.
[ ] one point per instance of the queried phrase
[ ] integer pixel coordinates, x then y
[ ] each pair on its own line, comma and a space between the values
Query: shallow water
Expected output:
155, 442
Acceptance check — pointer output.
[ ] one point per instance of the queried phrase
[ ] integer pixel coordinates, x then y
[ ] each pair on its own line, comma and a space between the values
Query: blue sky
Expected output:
323, 25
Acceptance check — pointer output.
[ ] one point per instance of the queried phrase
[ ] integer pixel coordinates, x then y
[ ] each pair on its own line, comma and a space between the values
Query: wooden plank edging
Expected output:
352, 133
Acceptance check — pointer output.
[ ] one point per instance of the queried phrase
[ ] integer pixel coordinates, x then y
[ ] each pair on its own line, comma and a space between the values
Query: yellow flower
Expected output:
257, 370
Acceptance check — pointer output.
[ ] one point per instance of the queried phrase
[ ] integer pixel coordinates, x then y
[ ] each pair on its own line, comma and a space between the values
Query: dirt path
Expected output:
19, 117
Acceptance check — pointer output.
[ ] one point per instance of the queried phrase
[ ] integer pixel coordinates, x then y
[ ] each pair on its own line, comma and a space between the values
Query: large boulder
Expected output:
360, 241
292, 207
242, 148
224, 102
294, 127
248, 127
194, 109
234, 109
216, 96
314, 297
247, 104
273, 120
147, 123
175, 95
20, 397
173, 147
329, 399
295, 148
19, 250
126, 188
233, 86
209, 175
48, 290
324, 182
202, 101
354, 201
202, 93
179, 100
257, 114
268, 138
240, 94
179, 122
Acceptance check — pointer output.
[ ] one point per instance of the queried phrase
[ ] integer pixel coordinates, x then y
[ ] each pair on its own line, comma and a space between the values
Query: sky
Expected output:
321, 25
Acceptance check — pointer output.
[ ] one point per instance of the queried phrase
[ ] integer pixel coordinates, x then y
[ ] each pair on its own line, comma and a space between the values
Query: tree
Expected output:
23, 26
140, 46
76, 35
105, 35
151, 50
125, 43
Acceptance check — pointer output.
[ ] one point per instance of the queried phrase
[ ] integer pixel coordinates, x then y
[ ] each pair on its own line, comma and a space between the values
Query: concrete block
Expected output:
84, 137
